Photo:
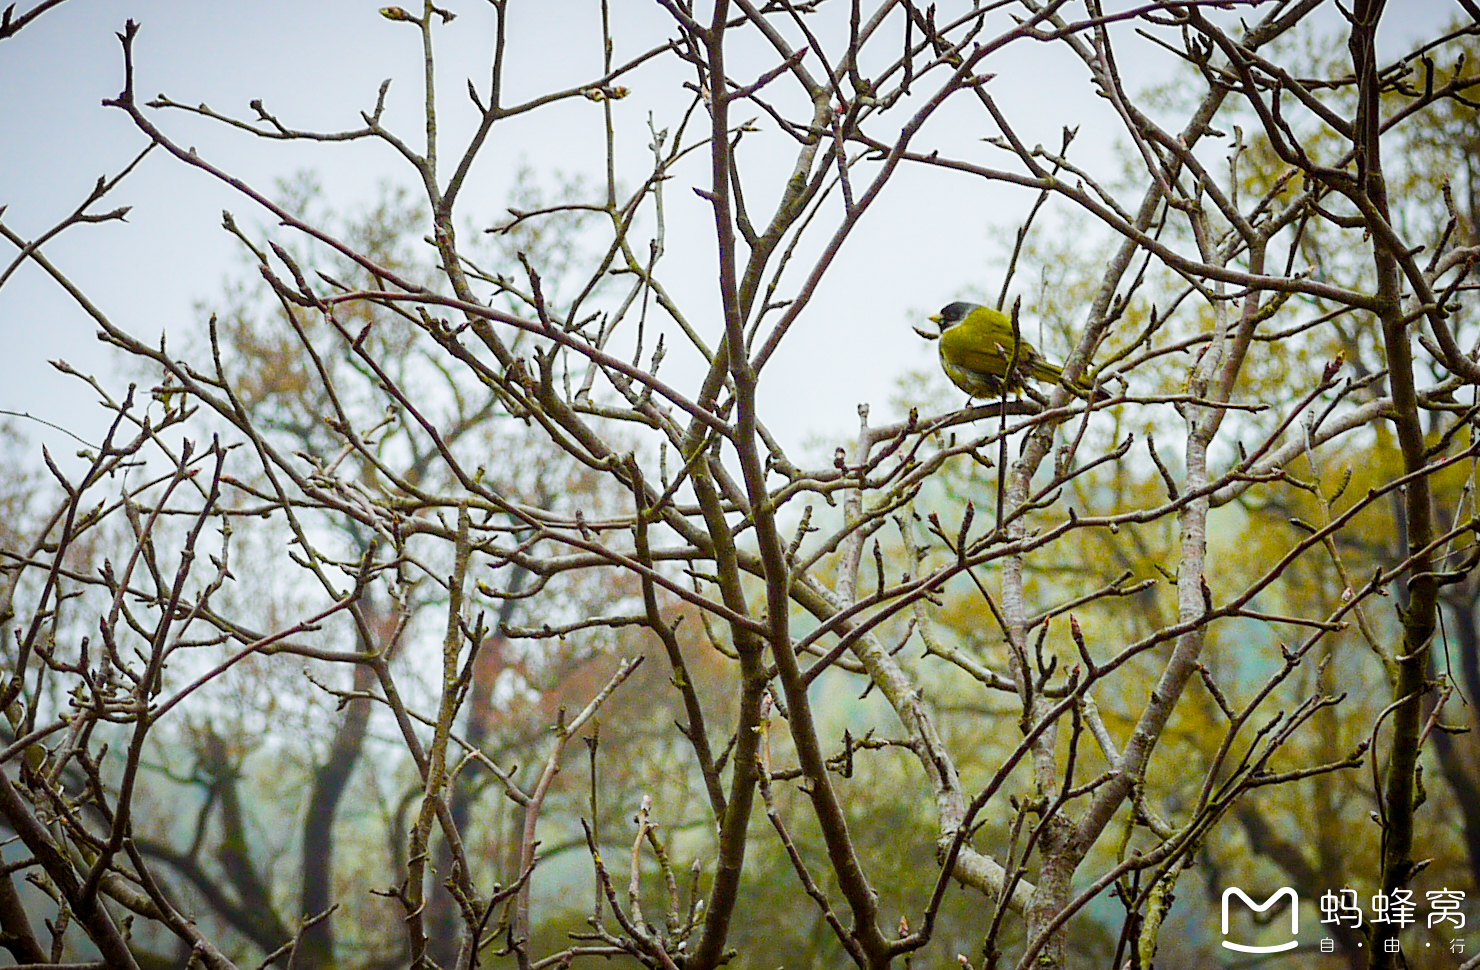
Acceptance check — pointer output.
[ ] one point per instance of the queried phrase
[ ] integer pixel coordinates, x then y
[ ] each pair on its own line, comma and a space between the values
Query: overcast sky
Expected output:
317, 63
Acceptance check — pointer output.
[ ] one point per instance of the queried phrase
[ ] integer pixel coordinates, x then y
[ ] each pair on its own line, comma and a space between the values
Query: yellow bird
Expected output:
976, 349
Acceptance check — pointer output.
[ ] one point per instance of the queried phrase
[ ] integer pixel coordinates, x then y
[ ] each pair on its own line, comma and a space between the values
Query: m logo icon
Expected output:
1258, 908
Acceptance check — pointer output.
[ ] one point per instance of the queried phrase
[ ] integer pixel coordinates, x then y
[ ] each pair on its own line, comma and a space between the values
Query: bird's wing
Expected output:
984, 354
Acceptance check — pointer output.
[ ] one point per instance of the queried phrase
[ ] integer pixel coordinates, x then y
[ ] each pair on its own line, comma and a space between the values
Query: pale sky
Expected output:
317, 63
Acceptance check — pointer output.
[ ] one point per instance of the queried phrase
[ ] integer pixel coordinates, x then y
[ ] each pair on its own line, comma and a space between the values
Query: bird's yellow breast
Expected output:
976, 353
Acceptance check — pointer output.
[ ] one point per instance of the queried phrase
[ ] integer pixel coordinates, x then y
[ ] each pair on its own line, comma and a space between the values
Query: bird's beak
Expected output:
928, 335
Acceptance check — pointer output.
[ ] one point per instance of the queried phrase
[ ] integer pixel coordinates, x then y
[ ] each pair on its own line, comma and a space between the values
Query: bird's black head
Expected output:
949, 315
953, 313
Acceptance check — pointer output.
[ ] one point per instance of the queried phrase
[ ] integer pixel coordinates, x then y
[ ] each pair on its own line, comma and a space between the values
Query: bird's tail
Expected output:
1042, 370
